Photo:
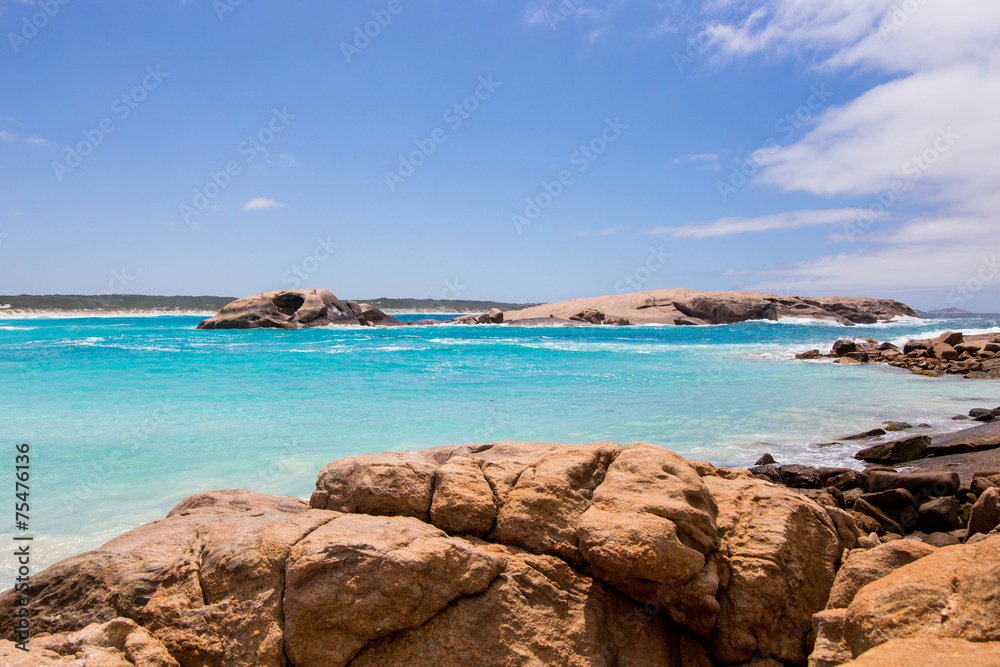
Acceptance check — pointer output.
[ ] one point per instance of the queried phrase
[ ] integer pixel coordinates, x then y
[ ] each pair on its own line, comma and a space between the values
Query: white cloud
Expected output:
929, 132
288, 160
904, 267
767, 223
36, 140
7, 136
610, 231
260, 204
708, 160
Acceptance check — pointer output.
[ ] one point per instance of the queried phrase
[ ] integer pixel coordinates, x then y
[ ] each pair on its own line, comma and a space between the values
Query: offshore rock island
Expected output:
302, 308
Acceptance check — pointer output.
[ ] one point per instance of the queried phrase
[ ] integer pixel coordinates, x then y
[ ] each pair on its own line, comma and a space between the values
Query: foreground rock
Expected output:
509, 553
295, 309
516, 553
682, 306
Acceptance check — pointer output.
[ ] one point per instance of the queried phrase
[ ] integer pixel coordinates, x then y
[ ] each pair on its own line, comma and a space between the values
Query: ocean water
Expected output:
126, 416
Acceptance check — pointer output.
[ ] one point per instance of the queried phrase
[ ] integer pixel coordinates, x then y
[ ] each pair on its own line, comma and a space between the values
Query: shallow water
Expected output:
126, 416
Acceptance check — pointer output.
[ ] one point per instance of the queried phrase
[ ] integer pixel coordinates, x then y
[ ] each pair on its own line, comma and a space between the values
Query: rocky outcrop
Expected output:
682, 306
118, 643
295, 309
290, 309
516, 553
952, 593
506, 553
951, 353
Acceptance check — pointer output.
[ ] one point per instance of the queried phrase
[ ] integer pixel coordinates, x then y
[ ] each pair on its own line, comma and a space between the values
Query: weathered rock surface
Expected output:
771, 592
951, 593
507, 553
206, 581
683, 306
118, 643
289, 309
930, 653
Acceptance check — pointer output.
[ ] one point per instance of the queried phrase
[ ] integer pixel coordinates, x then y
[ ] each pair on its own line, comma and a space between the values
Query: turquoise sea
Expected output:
126, 416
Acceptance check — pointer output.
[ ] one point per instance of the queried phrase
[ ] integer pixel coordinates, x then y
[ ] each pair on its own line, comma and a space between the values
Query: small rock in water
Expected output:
766, 459
959, 418
897, 426
874, 433
844, 346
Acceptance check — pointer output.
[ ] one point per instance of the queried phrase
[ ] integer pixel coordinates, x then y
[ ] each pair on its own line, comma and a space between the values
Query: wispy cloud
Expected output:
610, 231
36, 140
260, 204
288, 160
930, 129
7, 136
707, 160
767, 223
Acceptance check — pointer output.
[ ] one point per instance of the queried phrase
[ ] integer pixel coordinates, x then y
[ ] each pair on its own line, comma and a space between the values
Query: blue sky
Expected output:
518, 151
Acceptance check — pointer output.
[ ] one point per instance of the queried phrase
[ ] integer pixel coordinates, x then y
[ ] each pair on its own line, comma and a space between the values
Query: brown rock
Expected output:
830, 648
538, 611
866, 523
206, 581
800, 477
360, 578
941, 540
844, 346
773, 589
985, 515
950, 338
874, 433
919, 483
930, 653
864, 567
463, 501
495, 315
289, 309
649, 530
952, 593
387, 484
668, 306
895, 451
887, 524
590, 315
117, 643
940, 514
